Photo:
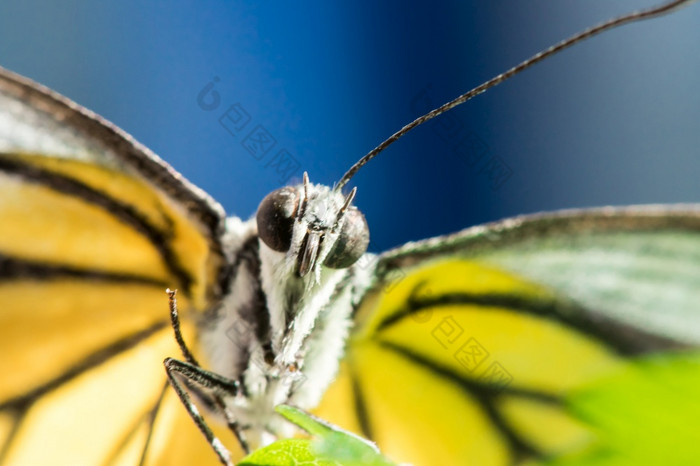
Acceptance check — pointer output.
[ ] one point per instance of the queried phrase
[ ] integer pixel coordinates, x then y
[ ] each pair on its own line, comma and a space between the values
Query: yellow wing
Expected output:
93, 229
465, 350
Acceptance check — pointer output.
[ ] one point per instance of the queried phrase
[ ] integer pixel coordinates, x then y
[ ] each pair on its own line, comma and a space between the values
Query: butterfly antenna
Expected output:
590, 32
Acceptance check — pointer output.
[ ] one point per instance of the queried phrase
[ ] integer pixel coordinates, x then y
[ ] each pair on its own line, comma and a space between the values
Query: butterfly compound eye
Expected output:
352, 241
275, 218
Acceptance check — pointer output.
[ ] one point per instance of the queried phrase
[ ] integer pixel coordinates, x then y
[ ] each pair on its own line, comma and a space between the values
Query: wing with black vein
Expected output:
467, 348
93, 229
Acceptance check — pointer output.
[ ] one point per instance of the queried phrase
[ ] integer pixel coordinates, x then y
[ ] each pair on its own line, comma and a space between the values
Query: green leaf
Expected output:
647, 413
333, 443
330, 446
286, 452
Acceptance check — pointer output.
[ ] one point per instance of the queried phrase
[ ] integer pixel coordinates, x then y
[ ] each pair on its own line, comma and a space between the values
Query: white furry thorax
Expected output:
309, 322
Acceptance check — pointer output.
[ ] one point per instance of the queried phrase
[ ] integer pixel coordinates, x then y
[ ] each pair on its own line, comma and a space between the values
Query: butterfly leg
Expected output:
197, 375
175, 322
193, 372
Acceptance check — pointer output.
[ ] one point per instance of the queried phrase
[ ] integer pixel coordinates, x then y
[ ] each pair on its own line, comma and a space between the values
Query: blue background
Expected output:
615, 120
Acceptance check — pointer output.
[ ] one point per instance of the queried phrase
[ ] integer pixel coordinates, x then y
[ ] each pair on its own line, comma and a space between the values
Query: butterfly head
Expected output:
314, 226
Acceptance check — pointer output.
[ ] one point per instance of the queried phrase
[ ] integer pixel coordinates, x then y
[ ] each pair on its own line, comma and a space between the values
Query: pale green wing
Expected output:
638, 265
481, 347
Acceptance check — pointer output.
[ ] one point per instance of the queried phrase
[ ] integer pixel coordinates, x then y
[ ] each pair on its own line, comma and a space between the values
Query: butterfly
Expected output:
512, 342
